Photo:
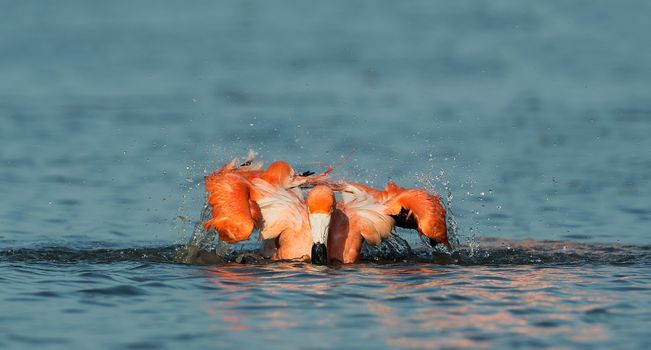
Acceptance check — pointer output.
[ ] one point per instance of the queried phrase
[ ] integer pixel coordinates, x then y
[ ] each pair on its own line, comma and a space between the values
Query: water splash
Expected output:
200, 248
183, 223
453, 232
392, 249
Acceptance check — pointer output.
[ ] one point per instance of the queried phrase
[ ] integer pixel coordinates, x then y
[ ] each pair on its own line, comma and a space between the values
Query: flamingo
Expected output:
321, 228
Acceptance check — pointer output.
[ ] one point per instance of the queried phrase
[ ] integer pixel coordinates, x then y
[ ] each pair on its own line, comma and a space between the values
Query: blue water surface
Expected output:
531, 118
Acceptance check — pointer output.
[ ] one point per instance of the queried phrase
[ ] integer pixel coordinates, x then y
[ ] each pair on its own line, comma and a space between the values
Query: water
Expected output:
534, 116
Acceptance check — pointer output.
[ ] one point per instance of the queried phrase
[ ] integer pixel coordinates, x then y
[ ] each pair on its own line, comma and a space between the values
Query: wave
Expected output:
492, 252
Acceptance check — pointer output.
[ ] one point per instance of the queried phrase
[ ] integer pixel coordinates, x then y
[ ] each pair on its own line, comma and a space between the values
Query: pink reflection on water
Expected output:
237, 283
411, 306
482, 291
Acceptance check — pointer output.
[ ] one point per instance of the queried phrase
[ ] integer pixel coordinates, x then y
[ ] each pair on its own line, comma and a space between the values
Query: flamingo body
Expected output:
319, 227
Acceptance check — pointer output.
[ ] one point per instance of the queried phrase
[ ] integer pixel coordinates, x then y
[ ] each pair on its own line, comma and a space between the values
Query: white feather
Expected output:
281, 209
361, 207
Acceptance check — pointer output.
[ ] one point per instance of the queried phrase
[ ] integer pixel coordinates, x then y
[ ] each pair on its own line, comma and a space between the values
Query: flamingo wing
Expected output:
417, 209
233, 214
366, 215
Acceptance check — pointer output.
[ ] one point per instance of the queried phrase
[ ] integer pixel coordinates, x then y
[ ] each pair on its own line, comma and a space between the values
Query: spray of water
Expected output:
429, 183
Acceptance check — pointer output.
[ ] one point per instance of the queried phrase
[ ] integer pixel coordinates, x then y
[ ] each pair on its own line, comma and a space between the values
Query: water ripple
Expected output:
120, 290
492, 251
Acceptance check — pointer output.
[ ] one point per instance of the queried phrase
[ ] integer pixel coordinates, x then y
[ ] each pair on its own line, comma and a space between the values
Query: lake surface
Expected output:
531, 119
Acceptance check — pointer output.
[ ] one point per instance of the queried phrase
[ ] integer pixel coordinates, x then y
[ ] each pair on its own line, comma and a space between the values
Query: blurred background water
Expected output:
534, 115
